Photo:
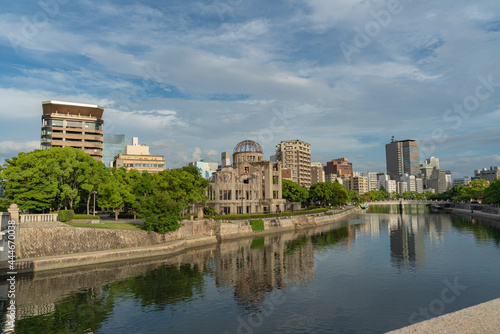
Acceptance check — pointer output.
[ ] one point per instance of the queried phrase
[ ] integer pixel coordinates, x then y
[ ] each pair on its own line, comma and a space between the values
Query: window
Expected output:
74, 124
92, 126
247, 170
53, 122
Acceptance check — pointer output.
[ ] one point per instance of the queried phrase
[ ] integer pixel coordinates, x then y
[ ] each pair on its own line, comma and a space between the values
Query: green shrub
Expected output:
257, 225
81, 216
65, 215
268, 215
162, 223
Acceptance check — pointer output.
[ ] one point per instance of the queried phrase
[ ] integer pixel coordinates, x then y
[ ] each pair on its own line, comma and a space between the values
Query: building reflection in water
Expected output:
255, 268
247, 269
408, 231
407, 244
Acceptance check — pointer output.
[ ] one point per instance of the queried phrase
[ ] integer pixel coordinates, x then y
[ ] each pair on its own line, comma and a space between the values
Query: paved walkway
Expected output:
482, 318
477, 214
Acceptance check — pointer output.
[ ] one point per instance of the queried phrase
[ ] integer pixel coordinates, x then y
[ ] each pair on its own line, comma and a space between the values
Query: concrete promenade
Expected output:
482, 318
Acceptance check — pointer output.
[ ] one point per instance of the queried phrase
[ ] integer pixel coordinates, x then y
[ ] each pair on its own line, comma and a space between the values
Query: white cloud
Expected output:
10, 147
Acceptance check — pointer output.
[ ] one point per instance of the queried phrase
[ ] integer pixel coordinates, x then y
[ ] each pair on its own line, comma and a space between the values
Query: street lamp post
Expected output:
94, 192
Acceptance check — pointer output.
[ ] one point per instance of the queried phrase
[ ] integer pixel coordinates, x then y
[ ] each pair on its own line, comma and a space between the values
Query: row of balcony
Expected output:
77, 144
62, 128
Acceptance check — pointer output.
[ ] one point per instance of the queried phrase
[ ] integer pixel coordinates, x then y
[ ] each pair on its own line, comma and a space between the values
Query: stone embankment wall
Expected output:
54, 238
57, 239
273, 225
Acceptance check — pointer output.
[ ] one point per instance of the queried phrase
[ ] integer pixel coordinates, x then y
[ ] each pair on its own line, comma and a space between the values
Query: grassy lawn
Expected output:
112, 226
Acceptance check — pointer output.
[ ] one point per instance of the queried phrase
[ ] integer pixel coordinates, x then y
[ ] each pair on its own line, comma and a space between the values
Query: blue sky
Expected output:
193, 78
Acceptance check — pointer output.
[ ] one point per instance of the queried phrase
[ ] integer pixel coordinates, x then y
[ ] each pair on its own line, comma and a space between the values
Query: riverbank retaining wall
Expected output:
36, 241
55, 238
272, 225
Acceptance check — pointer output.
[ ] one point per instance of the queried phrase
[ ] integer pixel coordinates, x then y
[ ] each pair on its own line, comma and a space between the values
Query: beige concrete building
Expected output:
357, 183
296, 154
317, 173
137, 157
71, 124
249, 185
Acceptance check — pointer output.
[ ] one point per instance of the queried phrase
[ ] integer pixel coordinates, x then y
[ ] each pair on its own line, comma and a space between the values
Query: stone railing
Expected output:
38, 218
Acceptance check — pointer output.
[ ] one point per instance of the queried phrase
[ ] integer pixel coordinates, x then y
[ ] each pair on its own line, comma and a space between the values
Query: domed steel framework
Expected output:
247, 146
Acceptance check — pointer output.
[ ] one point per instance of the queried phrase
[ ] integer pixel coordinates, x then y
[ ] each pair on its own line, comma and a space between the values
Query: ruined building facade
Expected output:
249, 185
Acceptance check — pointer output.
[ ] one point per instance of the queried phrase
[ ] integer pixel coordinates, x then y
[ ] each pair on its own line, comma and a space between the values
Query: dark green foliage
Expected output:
43, 180
209, 211
162, 223
356, 198
81, 216
4, 204
257, 225
65, 215
268, 215
292, 192
492, 193
329, 193
378, 195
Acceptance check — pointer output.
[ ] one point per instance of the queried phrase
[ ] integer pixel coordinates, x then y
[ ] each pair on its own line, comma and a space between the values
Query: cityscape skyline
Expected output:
190, 79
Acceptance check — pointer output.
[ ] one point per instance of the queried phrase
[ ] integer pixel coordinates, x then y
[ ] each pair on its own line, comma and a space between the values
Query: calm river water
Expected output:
376, 272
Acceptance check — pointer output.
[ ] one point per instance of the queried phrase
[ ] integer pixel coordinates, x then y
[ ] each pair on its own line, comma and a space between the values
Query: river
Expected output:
378, 271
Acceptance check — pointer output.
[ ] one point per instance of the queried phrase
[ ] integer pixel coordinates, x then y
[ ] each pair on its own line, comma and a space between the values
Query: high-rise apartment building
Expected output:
296, 155
402, 157
317, 173
76, 125
340, 167
372, 180
357, 183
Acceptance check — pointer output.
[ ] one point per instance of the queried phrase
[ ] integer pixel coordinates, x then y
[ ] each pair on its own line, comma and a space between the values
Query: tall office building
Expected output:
296, 155
114, 144
434, 162
73, 124
402, 157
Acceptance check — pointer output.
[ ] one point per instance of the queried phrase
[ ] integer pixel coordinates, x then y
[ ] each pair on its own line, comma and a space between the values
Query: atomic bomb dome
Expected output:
247, 146
247, 151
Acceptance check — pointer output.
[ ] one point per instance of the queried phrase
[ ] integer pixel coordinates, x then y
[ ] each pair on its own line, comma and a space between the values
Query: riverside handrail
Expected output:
38, 218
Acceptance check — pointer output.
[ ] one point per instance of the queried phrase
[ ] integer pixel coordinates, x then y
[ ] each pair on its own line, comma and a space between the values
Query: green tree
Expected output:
4, 204
293, 192
161, 198
30, 180
160, 212
115, 192
458, 193
476, 189
98, 173
492, 193
329, 193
